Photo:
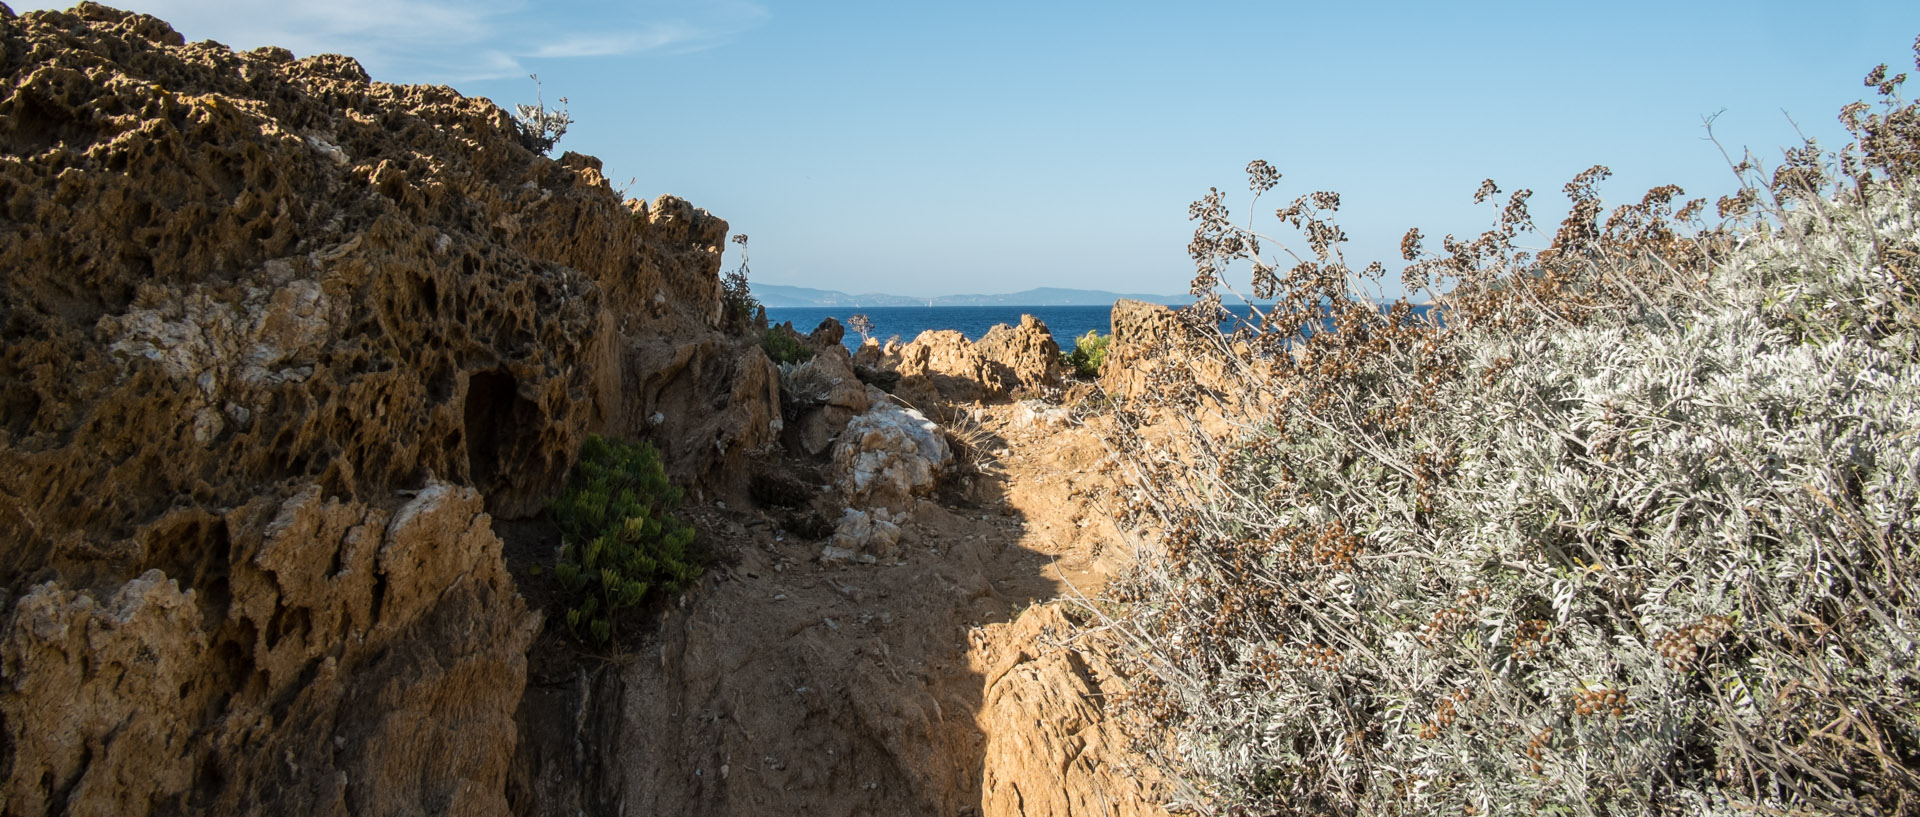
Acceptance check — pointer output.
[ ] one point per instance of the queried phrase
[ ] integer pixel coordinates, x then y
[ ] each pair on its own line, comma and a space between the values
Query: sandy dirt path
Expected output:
935, 682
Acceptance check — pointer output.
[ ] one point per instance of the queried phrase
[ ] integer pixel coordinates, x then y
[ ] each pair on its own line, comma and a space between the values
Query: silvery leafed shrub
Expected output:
1634, 532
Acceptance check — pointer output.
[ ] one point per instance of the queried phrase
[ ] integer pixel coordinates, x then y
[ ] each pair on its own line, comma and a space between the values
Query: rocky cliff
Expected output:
277, 343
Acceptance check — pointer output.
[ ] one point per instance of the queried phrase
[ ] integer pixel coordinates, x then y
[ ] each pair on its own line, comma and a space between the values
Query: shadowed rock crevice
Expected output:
498, 422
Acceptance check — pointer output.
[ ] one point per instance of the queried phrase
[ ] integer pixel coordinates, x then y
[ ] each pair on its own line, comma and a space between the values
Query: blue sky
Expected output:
929, 149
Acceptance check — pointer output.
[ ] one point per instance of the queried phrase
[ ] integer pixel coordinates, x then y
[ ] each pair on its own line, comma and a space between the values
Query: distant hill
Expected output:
778, 295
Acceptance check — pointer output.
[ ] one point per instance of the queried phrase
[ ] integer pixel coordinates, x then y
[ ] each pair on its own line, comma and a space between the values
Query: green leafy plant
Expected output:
540, 127
736, 295
1089, 352
619, 542
784, 347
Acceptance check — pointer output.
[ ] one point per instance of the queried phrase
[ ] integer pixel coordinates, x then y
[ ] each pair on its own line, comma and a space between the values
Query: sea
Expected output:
1065, 322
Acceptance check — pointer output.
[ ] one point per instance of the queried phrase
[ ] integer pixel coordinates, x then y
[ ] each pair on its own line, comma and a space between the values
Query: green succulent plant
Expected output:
619, 541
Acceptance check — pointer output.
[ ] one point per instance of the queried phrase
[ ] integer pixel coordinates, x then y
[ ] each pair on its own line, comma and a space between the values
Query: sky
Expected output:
986, 147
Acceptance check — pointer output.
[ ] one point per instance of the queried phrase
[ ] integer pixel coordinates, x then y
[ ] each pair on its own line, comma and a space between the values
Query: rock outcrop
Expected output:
1052, 750
889, 455
1143, 334
941, 364
277, 342
1028, 351
870, 354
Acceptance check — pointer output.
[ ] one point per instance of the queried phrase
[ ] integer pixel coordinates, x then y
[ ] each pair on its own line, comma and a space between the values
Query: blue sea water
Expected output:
1065, 322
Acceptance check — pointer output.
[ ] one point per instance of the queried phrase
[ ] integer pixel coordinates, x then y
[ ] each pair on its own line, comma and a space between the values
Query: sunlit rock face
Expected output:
1028, 351
277, 343
889, 455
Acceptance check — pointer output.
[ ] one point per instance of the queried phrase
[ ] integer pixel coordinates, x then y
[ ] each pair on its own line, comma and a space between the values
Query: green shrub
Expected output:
1635, 532
784, 347
618, 541
736, 294
1089, 352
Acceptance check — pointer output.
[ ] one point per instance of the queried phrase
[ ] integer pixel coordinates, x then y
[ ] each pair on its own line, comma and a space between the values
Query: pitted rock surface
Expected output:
276, 343
1143, 336
941, 364
1028, 351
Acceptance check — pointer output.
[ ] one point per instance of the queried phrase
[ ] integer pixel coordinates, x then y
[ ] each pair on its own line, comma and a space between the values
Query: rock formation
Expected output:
276, 344
1028, 351
1051, 749
822, 394
282, 348
1143, 333
889, 455
943, 365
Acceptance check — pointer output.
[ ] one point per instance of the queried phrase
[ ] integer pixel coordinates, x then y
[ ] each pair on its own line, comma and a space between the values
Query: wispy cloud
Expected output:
449, 41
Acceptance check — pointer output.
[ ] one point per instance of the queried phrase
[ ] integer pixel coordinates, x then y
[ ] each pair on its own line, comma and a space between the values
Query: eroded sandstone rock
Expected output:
1027, 351
1052, 749
1144, 336
869, 354
943, 364
351, 660
276, 343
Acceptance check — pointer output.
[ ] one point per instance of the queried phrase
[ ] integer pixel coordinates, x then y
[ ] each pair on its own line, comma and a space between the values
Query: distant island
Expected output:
780, 296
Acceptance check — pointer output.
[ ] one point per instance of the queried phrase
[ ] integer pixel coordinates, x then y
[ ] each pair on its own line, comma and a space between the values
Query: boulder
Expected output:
1027, 351
864, 536
943, 361
888, 455
822, 394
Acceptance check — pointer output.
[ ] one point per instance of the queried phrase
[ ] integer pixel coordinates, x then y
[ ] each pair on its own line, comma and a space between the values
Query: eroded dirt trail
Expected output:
934, 682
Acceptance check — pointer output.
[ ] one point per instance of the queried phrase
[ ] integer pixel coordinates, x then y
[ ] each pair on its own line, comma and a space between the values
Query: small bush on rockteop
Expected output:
540, 127
619, 541
736, 294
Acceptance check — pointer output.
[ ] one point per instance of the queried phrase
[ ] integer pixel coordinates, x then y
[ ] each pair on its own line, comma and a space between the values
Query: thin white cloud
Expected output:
450, 41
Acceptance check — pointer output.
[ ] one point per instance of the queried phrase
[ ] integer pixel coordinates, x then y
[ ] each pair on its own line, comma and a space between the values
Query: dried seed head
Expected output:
1487, 188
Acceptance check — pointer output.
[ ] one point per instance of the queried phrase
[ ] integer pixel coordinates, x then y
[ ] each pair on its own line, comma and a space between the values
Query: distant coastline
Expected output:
777, 296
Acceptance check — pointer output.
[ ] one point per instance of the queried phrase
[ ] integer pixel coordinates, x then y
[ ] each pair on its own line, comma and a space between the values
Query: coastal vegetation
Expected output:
541, 128
1631, 527
783, 346
619, 539
1089, 352
736, 293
